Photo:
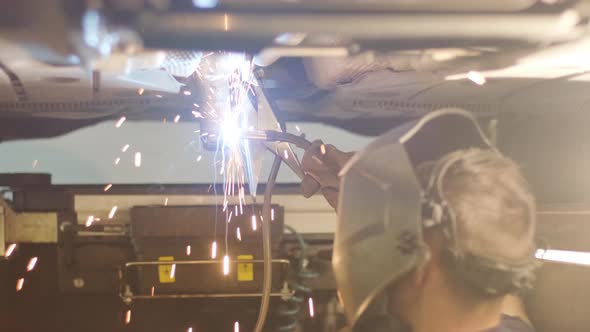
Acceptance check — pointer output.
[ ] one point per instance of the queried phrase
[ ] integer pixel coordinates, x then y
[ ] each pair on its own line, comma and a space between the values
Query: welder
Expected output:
435, 228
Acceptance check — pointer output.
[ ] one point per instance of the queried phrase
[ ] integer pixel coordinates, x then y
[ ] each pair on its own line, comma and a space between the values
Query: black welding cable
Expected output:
266, 245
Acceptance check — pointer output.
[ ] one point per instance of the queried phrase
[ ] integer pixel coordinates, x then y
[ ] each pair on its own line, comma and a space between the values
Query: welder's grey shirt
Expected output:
512, 324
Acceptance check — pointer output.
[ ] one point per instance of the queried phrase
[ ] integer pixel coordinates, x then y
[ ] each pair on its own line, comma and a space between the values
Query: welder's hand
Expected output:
321, 164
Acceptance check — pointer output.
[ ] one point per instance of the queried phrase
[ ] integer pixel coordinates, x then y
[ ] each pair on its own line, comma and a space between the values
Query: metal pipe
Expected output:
266, 245
202, 296
268, 56
254, 31
202, 262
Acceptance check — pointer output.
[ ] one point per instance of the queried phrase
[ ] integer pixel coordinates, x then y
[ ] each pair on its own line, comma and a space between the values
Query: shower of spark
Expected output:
31, 264
120, 122
128, 316
214, 250
229, 78
112, 212
237, 327
238, 234
107, 187
225, 265
188, 250
10, 249
89, 221
254, 222
19, 284
137, 159
172, 271
125, 147
311, 309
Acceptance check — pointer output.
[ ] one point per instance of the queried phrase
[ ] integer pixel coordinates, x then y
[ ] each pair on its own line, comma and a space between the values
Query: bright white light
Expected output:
120, 122
569, 19
225, 265
166, 201
177, 118
272, 214
137, 159
173, 271
112, 212
564, 256
186, 93
239, 234
323, 149
89, 221
205, 4
117, 161
230, 133
286, 154
32, 263
19, 284
125, 147
237, 327
128, 317
199, 158
188, 250
254, 222
190, 329
107, 187
10, 249
214, 249
476, 77
310, 305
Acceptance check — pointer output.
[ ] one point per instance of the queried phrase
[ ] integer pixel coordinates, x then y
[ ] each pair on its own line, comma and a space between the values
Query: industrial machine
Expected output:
197, 257
146, 263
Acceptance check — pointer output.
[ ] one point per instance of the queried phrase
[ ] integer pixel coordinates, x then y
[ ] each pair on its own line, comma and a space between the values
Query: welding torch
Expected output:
273, 140
210, 140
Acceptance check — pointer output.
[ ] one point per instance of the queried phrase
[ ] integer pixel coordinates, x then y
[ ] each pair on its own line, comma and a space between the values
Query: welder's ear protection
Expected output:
379, 232
487, 276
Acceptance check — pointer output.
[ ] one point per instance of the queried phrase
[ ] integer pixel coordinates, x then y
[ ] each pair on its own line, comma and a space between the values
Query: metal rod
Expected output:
202, 262
277, 136
199, 296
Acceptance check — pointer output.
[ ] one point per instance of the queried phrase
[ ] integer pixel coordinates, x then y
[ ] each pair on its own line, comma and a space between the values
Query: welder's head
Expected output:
494, 224
431, 192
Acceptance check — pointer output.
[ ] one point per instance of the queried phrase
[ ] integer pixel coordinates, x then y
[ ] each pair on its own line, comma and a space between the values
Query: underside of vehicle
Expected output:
150, 255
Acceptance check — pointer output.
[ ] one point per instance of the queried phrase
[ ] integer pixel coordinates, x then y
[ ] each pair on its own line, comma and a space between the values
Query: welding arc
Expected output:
266, 247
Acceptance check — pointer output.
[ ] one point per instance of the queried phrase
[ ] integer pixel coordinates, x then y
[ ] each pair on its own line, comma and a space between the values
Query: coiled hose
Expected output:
289, 311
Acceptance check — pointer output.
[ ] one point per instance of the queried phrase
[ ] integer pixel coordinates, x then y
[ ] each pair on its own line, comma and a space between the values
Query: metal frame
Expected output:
127, 296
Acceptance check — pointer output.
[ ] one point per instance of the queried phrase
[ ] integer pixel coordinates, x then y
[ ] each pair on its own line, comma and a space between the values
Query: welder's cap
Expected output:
379, 233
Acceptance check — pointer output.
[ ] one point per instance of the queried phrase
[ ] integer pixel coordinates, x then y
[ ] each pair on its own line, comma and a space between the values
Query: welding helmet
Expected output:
382, 213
